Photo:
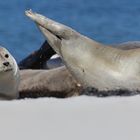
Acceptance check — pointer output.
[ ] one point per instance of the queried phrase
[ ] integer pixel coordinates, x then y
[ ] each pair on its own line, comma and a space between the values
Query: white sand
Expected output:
78, 118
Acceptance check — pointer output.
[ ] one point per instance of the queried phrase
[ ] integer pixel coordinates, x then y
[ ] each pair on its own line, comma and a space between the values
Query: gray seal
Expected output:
93, 64
9, 75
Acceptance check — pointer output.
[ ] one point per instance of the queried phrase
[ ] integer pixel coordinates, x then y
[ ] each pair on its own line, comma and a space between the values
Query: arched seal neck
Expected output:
91, 63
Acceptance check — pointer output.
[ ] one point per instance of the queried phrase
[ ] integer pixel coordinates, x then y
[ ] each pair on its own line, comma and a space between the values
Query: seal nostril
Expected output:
6, 63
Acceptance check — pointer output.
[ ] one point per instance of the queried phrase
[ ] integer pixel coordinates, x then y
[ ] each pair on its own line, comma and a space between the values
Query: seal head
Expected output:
9, 75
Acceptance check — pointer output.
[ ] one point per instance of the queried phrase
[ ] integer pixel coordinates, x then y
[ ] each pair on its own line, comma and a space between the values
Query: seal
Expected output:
9, 75
32, 85
56, 82
38, 58
93, 64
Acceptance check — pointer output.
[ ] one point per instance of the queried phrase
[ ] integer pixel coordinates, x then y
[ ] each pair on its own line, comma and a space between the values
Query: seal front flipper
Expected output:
38, 58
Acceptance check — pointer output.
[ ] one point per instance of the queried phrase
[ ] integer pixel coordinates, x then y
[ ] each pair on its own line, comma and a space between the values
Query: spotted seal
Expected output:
92, 63
9, 75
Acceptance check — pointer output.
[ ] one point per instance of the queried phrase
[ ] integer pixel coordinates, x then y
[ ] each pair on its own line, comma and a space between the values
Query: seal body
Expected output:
91, 63
105, 68
9, 75
56, 82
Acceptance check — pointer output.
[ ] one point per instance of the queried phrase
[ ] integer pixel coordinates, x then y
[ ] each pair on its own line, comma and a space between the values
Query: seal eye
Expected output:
6, 55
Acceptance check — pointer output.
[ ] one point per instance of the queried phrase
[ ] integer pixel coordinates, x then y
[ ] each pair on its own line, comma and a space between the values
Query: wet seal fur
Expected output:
93, 64
9, 75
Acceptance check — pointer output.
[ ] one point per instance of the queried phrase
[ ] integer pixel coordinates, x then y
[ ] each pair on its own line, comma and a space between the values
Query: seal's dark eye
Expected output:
6, 55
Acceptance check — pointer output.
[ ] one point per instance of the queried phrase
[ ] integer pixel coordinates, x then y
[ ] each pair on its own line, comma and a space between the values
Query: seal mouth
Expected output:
9, 69
6, 70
